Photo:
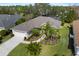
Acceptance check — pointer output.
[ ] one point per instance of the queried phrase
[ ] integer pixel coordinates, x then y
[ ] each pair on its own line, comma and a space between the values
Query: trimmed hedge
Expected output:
5, 32
0, 40
20, 21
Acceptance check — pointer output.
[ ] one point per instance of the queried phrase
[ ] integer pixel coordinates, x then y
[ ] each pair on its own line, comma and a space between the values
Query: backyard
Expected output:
58, 49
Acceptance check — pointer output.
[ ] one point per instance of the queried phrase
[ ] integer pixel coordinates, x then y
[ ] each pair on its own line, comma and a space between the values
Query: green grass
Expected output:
61, 48
49, 50
5, 38
20, 50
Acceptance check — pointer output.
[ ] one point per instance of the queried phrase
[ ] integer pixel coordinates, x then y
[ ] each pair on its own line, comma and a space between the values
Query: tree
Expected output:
42, 8
33, 49
49, 31
69, 16
0, 39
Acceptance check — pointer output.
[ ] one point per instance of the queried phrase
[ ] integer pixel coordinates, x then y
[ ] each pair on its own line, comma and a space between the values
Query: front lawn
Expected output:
20, 50
5, 38
59, 49
49, 50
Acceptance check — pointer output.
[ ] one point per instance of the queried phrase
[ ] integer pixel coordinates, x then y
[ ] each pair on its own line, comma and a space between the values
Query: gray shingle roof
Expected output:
36, 22
7, 21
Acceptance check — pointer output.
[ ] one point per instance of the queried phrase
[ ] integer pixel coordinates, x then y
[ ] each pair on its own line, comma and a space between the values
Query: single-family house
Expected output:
25, 28
7, 21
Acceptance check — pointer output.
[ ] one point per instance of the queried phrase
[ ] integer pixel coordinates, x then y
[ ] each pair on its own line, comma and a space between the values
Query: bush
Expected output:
33, 49
0, 40
35, 32
3, 33
20, 21
8, 31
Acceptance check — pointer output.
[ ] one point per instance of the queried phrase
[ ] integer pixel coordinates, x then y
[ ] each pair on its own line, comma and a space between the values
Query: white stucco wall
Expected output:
19, 33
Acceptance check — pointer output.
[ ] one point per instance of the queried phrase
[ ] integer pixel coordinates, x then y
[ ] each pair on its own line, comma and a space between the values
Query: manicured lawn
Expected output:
5, 38
61, 48
20, 50
49, 50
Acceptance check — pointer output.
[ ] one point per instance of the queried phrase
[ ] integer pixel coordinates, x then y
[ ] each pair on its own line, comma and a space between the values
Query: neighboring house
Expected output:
25, 28
76, 36
7, 21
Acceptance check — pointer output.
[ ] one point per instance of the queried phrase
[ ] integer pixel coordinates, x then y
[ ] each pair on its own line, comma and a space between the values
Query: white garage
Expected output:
19, 33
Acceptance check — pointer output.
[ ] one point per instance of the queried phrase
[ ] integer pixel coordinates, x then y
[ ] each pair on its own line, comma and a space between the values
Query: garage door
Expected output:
18, 33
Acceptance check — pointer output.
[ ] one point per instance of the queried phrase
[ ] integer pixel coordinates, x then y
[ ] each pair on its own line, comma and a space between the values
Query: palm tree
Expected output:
33, 49
49, 31
46, 29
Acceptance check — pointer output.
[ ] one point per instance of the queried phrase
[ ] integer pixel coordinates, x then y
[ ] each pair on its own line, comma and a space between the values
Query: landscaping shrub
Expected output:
3, 33
33, 49
35, 32
0, 40
8, 31
20, 21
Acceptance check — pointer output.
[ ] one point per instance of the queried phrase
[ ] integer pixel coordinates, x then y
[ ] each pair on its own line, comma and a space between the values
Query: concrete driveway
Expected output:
9, 45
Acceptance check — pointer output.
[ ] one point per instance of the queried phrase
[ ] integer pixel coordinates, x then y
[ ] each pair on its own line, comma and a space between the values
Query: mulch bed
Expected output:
33, 38
49, 41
